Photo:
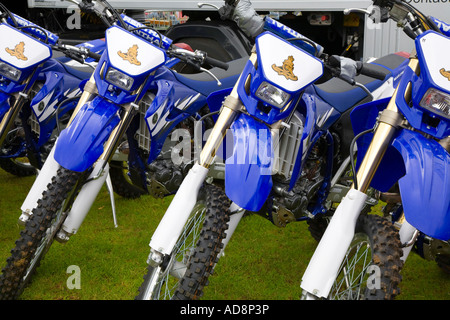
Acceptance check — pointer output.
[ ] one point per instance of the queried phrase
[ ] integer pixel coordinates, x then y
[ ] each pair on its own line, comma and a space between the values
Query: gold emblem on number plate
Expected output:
286, 69
18, 51
131, 55
445, 74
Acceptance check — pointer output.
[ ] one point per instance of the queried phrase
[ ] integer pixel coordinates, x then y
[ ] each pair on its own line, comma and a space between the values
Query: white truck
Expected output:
321, 20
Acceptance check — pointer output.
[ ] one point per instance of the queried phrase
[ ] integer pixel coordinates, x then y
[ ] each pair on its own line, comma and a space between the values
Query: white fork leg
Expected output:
85, 199
171, 225
408, 236
324, 265
236, 215
48, 171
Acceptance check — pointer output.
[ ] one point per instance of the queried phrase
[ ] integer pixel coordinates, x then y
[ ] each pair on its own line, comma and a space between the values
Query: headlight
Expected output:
272, 95
437, 102
9, 71
120, 79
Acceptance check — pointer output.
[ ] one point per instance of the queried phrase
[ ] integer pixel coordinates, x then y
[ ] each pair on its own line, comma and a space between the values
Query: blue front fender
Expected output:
248, 179
81, 143
425, 188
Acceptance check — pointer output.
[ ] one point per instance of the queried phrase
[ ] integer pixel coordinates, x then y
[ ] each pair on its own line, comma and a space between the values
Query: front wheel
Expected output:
371, 267
38, 235
185, 272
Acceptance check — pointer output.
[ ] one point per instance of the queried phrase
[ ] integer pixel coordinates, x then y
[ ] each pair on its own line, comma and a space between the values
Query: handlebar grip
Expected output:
217, 63
372, 71
94, 55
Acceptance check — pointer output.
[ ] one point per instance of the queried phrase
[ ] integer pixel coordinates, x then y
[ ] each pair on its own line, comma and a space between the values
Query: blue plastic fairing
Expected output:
248, 179
391, 167
81, 143
4, 105
425, 189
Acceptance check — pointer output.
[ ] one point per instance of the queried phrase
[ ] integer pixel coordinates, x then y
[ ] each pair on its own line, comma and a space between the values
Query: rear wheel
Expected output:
14, 145
20, 167
122, 184
184, 274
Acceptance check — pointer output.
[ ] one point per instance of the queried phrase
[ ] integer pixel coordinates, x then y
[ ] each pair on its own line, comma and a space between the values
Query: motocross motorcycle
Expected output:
131, 103
403, 152
288, 154
37, 93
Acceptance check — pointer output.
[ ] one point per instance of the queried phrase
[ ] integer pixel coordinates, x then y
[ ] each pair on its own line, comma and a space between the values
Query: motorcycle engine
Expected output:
291, 205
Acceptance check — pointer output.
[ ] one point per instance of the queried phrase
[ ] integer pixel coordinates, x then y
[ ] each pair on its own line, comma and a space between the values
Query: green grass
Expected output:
261, 262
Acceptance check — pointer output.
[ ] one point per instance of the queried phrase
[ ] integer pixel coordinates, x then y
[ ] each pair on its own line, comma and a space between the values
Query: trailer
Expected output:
323, 21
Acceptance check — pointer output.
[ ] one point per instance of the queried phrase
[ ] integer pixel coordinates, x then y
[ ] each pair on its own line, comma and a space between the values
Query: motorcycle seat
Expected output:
205, 84
342, 96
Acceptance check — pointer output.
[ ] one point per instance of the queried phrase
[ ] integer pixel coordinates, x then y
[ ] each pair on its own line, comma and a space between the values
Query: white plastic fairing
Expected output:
171, 225
286, 65
323, 268
131, 54
48, 171
20, 50
435, 49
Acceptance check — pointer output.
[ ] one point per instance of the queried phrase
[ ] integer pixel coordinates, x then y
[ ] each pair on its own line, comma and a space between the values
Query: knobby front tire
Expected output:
38, 235
371, 268
185, 273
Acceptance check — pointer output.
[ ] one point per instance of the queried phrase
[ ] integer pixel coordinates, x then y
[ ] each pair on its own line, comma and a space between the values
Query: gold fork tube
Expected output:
380, 141
89, 89
226, 117
11, 114
112, 143
8, 118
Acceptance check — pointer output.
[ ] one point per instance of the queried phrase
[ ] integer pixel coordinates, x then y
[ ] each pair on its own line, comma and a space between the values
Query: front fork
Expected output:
171, 225
50, 167
96, 179
9, 117
326, 261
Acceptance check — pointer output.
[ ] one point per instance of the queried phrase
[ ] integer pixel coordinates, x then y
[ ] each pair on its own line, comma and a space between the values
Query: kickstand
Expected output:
111, 195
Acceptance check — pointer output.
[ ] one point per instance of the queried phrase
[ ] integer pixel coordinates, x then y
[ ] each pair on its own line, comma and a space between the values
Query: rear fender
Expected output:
425, 188
248, 179
81, 143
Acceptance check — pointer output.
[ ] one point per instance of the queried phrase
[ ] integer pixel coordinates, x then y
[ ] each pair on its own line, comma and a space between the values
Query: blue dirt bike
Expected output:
403, 151
287, 155
37, 93
126, 112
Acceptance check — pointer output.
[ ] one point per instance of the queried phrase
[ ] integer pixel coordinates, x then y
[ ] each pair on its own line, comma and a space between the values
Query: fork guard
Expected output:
81, 143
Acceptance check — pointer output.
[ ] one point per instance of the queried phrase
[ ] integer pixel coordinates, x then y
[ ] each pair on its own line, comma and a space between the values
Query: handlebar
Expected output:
78, 54
216, 63
196, 58
412, 21
346, 69
370, 70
